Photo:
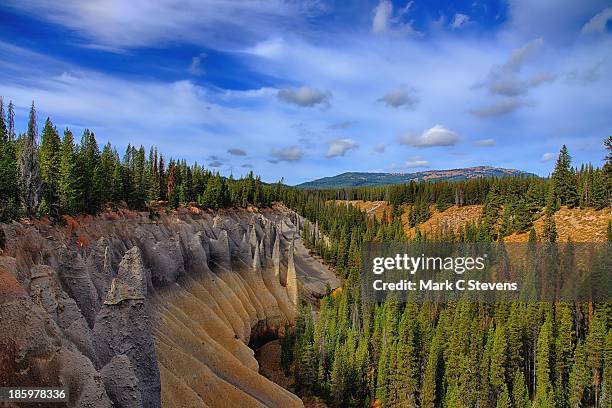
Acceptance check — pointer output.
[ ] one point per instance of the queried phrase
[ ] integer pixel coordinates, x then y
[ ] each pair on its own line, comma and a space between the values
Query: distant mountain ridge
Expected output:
362, 179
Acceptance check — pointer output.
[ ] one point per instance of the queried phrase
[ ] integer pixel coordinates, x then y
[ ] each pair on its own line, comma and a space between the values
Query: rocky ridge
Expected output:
129, 311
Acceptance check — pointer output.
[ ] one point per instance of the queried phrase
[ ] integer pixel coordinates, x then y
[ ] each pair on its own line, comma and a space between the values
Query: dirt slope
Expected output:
579, 225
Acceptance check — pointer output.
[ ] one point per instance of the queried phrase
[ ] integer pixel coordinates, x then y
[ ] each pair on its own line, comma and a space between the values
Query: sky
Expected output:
306, 89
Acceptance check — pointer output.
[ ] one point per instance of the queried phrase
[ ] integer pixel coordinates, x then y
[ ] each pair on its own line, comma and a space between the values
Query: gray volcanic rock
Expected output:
34, 353
130, 281
75, 277
123, 326
164, 309
121, 382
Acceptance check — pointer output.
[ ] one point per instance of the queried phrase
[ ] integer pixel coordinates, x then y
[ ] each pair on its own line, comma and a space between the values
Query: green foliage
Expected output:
9, 188
533, 236
520, 394
68, 177
49, 162
564, 180
29, 173
549, 234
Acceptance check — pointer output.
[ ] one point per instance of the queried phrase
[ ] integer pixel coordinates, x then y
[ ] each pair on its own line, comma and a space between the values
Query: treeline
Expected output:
357, 353
510, 205
57, 175
584, 186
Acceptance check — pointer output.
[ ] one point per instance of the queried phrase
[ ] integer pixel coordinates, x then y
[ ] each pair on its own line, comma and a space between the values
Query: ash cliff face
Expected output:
126, 311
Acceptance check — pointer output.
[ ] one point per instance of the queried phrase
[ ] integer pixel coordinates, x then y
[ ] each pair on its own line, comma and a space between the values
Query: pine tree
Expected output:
408, 363
499, 359
432, 379
490, 213
49, 163
564, 347
550, 228
520, 394
88, 156
10, 121
607, 170
3, 128
595, 346
606, 388
534, 198
68, 178
153, 175
523, 217
599, 199
503, 401
103, 174
29, 176
533, 236
9, 188
564, 181
579, 378
543, 396
306, 369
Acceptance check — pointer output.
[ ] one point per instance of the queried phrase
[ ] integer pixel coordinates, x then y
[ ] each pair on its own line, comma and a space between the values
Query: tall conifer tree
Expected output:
29, 176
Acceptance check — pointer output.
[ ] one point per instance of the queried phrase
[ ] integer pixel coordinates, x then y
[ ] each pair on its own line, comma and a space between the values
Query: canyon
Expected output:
132, 309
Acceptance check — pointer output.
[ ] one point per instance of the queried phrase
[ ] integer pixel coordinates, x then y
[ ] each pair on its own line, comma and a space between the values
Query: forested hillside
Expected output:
364, 179
53, 175
359, 353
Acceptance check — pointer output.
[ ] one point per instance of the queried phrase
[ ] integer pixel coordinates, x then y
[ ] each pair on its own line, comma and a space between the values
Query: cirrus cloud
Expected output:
598, 23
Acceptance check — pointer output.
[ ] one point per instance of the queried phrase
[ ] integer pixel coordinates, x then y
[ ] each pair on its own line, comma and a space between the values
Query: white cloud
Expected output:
435, 136
460, 20
519, 55
514, 86
288, 154
505, 80
549, 156
400, 97
386, 21
485, 142
196, 65
339, 147
597, 24
304, 96
382, 16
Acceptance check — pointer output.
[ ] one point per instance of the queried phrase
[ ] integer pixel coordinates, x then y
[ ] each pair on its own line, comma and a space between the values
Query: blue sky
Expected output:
312, 88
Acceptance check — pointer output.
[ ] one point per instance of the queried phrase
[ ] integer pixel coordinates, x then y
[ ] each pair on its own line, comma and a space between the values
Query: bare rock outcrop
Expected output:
130, 311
